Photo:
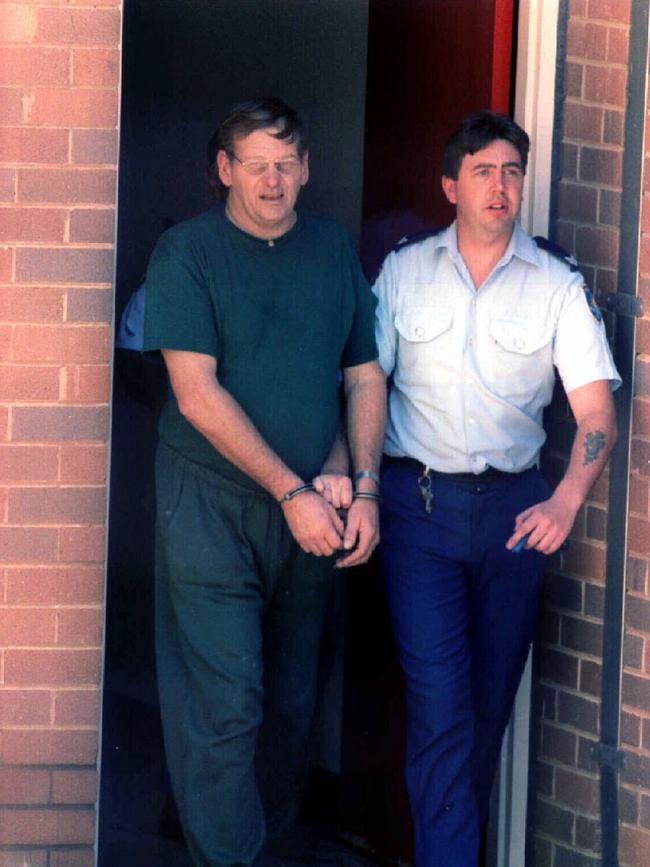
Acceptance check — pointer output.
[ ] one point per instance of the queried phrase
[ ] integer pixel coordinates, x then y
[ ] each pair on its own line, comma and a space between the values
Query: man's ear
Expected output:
304, 175
449, 189
224, 168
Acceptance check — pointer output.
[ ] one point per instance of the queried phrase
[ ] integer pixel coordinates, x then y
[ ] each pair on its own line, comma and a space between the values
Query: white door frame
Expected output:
535, 112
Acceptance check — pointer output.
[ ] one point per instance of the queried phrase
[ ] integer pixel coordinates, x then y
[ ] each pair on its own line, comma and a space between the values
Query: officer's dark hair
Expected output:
476, 132
248, 117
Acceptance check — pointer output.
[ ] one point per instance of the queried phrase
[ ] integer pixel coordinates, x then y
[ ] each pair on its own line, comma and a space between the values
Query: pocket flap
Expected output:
519, 335
420, 324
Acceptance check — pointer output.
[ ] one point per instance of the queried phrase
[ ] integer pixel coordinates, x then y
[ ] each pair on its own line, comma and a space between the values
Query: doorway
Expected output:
374, 79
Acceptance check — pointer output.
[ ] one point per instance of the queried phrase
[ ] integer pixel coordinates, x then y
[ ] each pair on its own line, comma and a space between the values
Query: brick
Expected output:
587, 833
606, 283
550, 627
31, 224
582, 635
637, 571
28, 145
578, 790
601, 166
552, 819
84, 465
636, 771
590, 677
633, 652
543, 852
630, 729
47, 827
42, 424
55, 585
78, 26
559, 667
77, 707
95, 67
74, 787
564, 235
596, 523
584, 122
585, 40
94, 186
24, 786
618, 45
640, 452
542, 778
88, 383
578, 712
637, 613
610, 208
94, 146
90, 305
614, 128
51, 667
610, 10
61, 343
82, 544
73, 107
79, 627
585, 558
63, 265
634, 845
29, 383
27, 65
27, 544
72, 858
7, 188
639, 536
636, 691
31, 304
94, 226
572, 858
6, 335
547, 701
644, 815
30, 856
559, 744
4, 423
69, 505
21, 707
46, 747
11, 105
27, 627
605, 85
6, 264
568, 160
597, 246
17, 22
573, 79
628, 805
577, 202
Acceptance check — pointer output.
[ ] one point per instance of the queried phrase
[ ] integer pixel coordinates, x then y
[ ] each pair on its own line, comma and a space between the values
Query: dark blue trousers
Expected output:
464, 611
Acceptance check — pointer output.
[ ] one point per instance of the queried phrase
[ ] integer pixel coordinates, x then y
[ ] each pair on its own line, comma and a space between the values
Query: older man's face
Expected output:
264, 176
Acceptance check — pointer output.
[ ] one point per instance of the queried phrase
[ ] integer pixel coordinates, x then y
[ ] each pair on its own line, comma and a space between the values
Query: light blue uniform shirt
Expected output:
473, 370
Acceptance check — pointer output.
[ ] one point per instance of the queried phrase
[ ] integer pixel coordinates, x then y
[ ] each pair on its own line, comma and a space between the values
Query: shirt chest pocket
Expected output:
425, 341
522, 356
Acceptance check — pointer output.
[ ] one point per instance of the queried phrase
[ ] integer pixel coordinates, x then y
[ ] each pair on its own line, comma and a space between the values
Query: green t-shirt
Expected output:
281, 318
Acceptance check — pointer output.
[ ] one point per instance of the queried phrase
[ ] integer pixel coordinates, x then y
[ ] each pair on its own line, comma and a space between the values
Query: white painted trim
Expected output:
535, 112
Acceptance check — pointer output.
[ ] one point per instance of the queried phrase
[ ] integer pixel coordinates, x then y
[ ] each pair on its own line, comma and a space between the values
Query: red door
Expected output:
430, 62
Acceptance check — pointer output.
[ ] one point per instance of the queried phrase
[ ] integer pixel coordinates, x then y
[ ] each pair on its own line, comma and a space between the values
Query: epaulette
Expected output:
556, 251
415, 238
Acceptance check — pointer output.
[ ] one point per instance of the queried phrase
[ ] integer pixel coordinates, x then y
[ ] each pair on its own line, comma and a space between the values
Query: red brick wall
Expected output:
565, 812
59, 74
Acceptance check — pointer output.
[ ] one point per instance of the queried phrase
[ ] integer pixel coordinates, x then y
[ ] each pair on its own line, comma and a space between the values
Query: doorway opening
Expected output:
381, 83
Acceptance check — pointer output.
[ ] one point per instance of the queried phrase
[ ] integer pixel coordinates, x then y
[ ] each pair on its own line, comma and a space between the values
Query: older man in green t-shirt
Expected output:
256, 309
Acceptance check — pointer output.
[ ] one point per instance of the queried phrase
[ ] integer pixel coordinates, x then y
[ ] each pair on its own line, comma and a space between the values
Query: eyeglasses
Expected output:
287, 167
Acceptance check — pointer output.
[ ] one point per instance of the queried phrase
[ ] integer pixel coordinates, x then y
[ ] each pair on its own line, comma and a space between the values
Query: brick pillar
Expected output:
59, 73
565, 807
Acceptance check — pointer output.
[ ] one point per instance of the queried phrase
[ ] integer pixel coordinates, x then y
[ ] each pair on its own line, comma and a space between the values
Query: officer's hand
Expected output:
361, 533
547, 525
314, 524
337, 489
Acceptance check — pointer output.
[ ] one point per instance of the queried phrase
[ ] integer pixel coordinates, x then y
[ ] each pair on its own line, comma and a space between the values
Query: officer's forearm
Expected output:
594, 440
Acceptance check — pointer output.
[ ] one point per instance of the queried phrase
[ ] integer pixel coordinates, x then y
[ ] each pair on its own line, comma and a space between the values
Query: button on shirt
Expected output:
473, 369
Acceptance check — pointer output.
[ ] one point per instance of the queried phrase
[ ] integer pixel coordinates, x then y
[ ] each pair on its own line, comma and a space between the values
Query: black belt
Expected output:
490, 474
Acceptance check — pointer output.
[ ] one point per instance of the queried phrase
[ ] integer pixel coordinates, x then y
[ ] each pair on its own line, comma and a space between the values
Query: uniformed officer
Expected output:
472, 323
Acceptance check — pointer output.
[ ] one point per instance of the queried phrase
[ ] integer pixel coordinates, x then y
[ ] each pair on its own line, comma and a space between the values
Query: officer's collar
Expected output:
520, 245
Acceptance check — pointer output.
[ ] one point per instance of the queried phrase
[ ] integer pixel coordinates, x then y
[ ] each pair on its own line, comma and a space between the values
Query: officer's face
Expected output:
263, 178
487, 193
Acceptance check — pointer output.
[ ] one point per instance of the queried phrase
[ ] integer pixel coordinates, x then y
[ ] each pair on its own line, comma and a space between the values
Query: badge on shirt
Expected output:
591, 304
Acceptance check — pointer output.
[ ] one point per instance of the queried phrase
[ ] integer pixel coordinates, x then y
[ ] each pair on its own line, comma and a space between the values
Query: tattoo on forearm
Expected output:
594, 444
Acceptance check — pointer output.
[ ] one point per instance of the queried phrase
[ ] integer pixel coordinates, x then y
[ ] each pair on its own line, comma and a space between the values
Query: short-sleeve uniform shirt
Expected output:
473, 369
281, 318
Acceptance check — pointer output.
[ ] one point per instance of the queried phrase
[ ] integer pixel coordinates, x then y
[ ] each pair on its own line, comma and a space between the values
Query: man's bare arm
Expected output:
549, 523
217, 415
365, 392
